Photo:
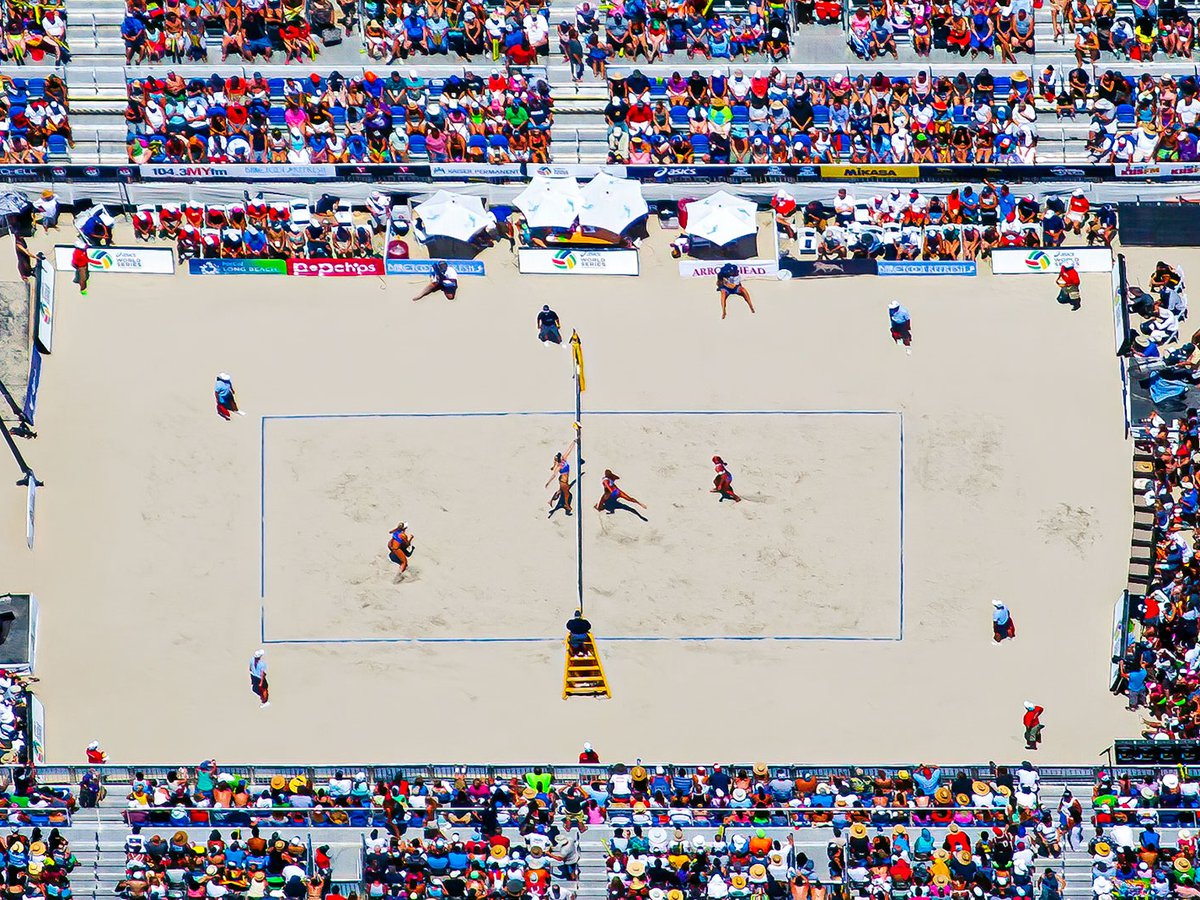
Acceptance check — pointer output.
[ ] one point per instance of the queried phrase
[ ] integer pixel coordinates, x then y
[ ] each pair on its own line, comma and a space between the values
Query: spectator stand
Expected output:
34, 120
33, 32
449, 113
490, 30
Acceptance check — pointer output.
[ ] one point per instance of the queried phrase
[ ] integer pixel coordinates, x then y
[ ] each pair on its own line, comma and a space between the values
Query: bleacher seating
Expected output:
34, 123
331, 119
33, 33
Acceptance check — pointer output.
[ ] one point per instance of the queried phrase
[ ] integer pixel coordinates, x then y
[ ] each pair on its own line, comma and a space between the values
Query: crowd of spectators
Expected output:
247, 866
256, 229
153, 31
37, 866
1137, 120
972, 28
517, 31
657, 29
331, 119
1130, 857
905, 223
34, 120
33, 32
766, 117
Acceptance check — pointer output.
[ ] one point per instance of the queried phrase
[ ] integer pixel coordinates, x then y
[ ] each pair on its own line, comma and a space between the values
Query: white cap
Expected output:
997, 604
1028, 704
895, 304
258, 654
223, 376
94, 745
587, 746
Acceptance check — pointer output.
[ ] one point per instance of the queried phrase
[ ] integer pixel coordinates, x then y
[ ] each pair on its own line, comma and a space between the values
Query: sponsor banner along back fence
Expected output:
43, 331
536, 261
425, 266
335, 267
122, 260
1048, 260
924, 267
237, 267
748, 268
827, 268
415, 172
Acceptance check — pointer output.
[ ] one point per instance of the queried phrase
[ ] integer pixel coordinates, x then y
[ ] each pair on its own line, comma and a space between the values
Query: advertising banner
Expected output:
425, 266
748, 268
37, 731
29, 407
43, 331
30, 507
572, 170
335, 267
536, 261
251, 171
826, 268
926, 267
475, 170
870, 172
237, 267
1158, 170
1048, 260
121, 260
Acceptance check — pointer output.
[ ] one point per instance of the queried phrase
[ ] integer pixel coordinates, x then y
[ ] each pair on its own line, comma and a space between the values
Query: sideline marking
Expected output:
480, 414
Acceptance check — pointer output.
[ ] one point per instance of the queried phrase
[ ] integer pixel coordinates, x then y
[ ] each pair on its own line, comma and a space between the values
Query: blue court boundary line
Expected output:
530, 413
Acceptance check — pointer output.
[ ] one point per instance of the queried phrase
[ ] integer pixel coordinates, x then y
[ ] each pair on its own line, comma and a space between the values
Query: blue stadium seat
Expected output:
960, 116
397, 113
339, 116
700, 144
741, 115
275, 115
276, 86
1125, 115
1003, 85
416, 145
57, 145
658, 89
821, 116
436, 86
679, 117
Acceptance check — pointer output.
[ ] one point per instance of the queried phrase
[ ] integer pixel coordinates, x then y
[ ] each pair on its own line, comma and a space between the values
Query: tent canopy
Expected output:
459, 216
612, 204
721, 218
550, 202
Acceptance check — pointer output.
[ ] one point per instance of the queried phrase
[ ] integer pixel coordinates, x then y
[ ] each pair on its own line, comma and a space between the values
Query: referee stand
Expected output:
583, 674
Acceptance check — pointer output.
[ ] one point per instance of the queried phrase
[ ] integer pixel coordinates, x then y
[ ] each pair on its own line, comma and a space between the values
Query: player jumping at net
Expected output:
723, 482
400, 546
562, 469
613, 494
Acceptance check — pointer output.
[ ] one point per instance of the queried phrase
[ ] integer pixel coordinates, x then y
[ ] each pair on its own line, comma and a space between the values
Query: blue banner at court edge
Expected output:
926, 267
425, 266
31, 388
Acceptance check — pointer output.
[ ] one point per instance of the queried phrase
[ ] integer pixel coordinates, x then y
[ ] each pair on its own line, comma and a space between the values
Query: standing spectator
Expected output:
226, 400
900, 322
1068, 284
589, 754
258, 679
1032, 721
95, 755
80, 263
1002, 623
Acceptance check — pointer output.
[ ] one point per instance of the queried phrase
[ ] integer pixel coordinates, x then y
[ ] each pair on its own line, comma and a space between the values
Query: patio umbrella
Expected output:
721, 218
12, 203
550, 202
612, 204
453, 215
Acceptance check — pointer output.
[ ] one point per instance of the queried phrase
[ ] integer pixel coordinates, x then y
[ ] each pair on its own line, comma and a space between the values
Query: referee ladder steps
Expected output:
583, 674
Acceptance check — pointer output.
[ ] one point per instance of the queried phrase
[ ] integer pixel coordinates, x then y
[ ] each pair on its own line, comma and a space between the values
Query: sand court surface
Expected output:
797, 557
149, 560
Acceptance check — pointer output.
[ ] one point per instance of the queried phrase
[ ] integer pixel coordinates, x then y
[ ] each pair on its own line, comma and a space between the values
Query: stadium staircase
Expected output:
98, 838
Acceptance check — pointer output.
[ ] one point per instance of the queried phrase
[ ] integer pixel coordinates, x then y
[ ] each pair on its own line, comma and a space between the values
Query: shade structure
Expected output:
611, 204
721, 218
456, 216
550, 202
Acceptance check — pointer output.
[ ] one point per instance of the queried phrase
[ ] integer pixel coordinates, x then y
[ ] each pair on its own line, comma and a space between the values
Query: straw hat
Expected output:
858, 830
278, 782
954, 828
638, 773
758, 873
1103, 849
898, 829
739, 794
942, 795
536, 851
962, 799
1182, 864
636, 868
760, 770
980, 789
963, 856
941, 853
738, 881
499, 852
37, 848
941, 879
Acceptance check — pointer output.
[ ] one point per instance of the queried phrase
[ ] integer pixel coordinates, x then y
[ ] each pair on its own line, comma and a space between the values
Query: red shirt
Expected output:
521, 56
1068, 277
79, 258
1033, 716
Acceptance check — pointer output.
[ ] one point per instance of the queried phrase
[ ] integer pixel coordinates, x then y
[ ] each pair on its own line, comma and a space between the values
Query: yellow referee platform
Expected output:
583, 673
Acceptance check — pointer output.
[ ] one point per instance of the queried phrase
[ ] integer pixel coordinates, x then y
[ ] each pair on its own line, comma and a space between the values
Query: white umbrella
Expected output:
612, 203
550, 202
721, 218
451, 215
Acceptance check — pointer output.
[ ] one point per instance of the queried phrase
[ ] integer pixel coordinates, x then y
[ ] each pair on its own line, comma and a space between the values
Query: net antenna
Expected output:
580, 380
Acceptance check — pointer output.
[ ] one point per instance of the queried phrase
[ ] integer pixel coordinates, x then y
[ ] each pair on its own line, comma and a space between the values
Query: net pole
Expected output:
577, 367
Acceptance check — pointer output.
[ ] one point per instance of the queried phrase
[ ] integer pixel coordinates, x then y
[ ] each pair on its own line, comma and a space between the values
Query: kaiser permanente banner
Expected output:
125, 260
536, 261
1048, 260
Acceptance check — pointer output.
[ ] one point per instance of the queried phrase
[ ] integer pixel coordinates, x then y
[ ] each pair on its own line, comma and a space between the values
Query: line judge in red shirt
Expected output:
1068, 286
1033, 725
